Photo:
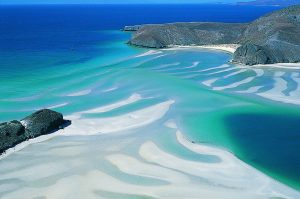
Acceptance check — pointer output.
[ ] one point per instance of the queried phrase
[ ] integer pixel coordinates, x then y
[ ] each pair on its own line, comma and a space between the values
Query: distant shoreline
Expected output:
230, 48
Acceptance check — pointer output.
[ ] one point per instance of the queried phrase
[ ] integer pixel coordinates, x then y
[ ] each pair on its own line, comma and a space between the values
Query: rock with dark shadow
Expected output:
11, 134
39, 123
251, 54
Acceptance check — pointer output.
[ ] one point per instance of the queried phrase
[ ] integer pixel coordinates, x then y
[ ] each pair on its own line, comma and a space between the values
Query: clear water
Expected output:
146, 124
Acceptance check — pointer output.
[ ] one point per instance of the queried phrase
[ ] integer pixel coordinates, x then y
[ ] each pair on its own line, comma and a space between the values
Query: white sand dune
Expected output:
91, 126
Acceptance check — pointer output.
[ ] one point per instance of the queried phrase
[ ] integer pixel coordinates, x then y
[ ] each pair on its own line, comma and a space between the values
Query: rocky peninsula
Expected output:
273, 38
42, 122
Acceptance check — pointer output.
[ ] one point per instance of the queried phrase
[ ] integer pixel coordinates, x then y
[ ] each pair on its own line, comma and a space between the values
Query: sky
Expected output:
112, 1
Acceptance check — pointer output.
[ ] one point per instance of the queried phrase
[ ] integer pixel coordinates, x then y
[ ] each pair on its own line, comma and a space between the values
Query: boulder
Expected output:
42, 122
39, 123
11, 134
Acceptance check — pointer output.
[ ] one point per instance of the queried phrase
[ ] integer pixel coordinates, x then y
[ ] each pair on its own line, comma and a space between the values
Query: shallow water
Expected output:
176, 123
154, 126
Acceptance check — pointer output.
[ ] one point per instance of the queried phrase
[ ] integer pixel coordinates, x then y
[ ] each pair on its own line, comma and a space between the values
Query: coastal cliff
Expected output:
274, 38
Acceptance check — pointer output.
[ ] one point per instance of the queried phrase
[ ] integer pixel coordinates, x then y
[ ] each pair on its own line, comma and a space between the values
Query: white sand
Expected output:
110, 89
280, 65
195, 64
183, 178
235, 73
150, 52
28, 143
85, 126
276, 93
214, 68
253, 89
231, 48
221, 71
133, 166
80, 93
91, 126
57, 106
210, 82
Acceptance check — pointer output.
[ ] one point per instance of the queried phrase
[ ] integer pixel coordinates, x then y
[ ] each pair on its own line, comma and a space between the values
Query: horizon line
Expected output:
49, 3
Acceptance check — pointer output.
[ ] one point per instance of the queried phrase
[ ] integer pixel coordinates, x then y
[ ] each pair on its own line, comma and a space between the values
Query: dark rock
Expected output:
42, 122
251, 54
11, 134
39, 123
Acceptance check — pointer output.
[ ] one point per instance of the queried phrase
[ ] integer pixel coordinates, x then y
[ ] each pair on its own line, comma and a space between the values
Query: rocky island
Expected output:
39, 123
274, 38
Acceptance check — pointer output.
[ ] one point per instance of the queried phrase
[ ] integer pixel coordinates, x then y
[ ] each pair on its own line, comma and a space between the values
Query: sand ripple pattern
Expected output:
280, 82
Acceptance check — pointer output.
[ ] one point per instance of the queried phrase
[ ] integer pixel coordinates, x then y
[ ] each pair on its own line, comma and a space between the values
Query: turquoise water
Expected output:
176, 123
133, 104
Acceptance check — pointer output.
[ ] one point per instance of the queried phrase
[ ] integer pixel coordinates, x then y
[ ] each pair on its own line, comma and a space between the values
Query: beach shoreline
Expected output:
229, 48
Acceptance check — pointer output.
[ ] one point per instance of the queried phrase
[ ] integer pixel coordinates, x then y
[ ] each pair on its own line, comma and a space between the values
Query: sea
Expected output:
146, 123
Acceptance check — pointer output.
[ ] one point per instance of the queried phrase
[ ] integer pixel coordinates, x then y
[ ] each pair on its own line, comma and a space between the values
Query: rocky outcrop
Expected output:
161, 36
278, 33
274, 38
11, 134
39, 123
251, 54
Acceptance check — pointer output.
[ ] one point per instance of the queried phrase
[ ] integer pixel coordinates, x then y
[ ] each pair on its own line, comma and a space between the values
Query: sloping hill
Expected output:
270, 39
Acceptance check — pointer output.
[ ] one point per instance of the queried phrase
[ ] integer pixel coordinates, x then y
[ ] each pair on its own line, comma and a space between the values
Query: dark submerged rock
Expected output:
39, 123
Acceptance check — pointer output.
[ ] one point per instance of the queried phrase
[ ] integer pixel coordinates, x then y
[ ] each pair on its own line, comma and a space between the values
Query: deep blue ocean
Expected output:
45, 36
